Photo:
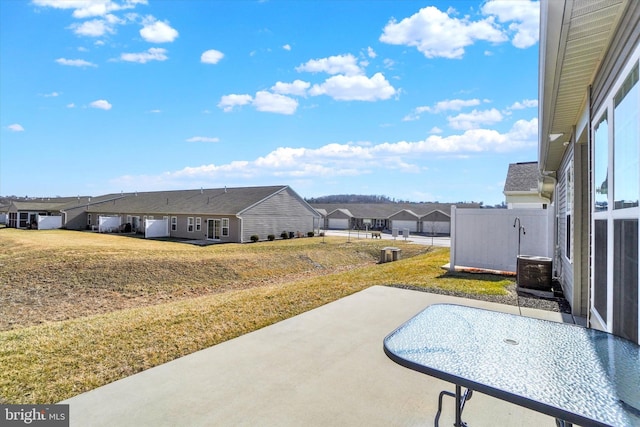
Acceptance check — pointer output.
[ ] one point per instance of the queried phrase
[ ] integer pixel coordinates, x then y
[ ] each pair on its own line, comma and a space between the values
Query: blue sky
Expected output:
415, 100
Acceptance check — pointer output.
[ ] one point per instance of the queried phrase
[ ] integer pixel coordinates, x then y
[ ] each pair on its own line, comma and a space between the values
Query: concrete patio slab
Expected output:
323, 367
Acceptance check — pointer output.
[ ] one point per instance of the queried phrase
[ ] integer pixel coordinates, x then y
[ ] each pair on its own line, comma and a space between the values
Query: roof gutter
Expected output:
552, 27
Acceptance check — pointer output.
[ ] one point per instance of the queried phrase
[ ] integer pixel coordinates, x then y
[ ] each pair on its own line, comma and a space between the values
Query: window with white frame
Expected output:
174, 223
615, 209
569, 211
198, 224
190, 224
225, 226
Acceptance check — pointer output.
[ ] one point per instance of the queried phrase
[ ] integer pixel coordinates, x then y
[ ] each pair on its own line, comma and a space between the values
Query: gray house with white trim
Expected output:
219, 214
428, 218
589, 154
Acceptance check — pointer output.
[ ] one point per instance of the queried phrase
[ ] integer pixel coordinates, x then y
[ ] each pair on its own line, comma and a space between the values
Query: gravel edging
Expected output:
557, 303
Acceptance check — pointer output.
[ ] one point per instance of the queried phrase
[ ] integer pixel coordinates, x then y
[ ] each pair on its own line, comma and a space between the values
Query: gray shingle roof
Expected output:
223, 201
522, 177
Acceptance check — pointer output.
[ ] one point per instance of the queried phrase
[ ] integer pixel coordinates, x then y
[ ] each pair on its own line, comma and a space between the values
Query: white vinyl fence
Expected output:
109, 224
156, 228
487, 238
48, 222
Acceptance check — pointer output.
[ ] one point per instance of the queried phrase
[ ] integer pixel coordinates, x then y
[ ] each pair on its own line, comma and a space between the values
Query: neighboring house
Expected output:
521, 187
589, 158
427, 218
339, 219
405, 219
24, 213
436, 222
4, 208
221, 214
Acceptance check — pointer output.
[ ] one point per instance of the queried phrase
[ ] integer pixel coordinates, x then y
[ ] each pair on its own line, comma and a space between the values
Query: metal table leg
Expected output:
461, 399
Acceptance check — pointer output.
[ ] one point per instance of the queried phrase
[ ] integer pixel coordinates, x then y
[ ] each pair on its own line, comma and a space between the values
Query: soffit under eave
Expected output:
582, 37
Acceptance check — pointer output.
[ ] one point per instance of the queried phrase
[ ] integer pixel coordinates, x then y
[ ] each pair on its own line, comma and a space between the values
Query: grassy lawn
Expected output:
80, 310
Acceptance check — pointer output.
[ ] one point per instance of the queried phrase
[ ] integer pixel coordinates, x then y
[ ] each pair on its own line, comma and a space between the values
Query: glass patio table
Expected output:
575, 374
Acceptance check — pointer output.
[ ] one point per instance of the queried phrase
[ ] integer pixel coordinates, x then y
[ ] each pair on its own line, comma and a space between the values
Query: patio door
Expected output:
213, 229
616, 207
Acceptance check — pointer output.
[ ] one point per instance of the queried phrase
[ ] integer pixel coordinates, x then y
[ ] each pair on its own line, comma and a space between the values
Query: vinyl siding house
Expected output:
436, 222
589, 154
425, 218
521, 187
405, 219
222, 214
24, 213
340, 219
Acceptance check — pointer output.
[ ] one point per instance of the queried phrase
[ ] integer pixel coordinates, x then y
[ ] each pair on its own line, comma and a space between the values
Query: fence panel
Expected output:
488, 238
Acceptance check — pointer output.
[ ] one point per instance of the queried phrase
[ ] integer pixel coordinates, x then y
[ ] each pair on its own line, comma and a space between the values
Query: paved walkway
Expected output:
325, 367
444, 241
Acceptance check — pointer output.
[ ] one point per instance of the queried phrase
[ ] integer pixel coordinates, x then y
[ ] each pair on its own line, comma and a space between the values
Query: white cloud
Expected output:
349, 159
355, 88
75, 62
524, 18
297, 87
202, 139
97, 27
156, 111
263, 101
475, 119
101, 104
339, 64
526, 103
51, 95
152, 54
448, 105
438, 35
15, 127
157, 31
89, 8
71, 105
274, 103
287, 47
371, 53
228, 102
523, 134
211, 56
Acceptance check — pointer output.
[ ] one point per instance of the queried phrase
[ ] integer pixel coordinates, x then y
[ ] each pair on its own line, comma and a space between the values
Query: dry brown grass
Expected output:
60, 275
102, 307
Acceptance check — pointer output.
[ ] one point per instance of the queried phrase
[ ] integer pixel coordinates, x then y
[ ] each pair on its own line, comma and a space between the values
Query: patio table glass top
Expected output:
581, 375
